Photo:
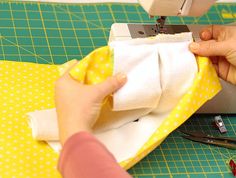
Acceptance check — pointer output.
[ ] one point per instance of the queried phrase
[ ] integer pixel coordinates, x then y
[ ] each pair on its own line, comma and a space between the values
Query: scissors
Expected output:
209, 139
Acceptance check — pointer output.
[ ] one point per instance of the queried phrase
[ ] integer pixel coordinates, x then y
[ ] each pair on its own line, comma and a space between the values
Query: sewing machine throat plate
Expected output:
147, 30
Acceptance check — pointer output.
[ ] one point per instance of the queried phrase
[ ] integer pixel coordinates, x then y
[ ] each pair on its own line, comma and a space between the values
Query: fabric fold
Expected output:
44, 124
141, 64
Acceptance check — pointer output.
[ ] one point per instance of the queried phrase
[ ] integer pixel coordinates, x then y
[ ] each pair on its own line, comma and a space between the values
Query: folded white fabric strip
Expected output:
44, 124
171, 74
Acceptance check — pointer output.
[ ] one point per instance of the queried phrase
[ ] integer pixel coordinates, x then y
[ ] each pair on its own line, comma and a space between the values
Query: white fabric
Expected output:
124, 142
141, 64
149, 73
176, 73
44, 124
118, 130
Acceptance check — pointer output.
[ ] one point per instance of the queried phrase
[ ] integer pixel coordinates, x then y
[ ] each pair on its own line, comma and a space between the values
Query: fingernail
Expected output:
205, 35
194, 46
121, 77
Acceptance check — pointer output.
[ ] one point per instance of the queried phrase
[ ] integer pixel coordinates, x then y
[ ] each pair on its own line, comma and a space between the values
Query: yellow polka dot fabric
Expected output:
94, 68
27, 87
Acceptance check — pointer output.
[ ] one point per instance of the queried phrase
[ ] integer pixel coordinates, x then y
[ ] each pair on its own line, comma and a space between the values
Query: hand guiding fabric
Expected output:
78, 105
219, 43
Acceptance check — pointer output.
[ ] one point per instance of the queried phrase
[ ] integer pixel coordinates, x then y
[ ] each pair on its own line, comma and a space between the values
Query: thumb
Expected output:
209, 48
111, 85
231, 77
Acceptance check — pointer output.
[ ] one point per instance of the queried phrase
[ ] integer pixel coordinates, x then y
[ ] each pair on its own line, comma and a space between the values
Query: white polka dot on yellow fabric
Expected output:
24, 87
98, 67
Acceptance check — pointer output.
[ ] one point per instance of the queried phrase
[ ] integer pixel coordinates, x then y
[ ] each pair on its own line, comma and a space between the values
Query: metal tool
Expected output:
218, 121
209, 139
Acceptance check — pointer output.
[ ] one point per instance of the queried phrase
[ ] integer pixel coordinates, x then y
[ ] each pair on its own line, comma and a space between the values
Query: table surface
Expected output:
56, 33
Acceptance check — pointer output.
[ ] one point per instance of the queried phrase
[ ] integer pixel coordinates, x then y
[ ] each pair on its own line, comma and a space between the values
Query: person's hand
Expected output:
78, 105
219, 43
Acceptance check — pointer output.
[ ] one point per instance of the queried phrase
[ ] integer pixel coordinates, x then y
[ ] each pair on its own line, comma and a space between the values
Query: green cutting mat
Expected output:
56, 33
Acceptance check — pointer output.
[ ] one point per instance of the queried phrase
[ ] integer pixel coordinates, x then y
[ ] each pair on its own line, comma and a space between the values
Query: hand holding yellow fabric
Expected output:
78, 105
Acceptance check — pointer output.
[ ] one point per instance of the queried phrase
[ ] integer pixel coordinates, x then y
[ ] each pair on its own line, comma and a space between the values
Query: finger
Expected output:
65, 77
206, 33
214, 59
232, 75
72, 65
209, 48
212, 32
223, 68
111, 85
216, 68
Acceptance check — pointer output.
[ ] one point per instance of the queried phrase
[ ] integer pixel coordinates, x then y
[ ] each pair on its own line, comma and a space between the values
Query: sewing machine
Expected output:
225, 101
